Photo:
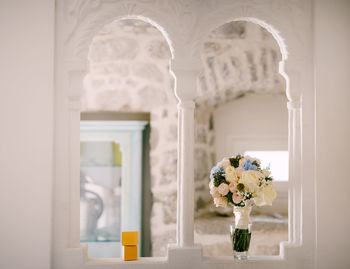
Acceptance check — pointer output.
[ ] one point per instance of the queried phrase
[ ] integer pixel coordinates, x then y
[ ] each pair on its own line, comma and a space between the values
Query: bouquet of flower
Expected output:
240, 181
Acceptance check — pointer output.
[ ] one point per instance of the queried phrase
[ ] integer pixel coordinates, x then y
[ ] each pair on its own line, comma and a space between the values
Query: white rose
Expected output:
265, 196
250, 179
211, 184
259, 199
269, 194
221, 202
214, 192
230, 174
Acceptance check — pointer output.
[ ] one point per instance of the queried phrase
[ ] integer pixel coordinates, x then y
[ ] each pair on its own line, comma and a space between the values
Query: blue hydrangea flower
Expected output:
216, 169
248, 165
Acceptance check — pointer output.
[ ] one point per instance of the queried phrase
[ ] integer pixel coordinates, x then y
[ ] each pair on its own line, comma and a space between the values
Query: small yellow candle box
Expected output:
129, 242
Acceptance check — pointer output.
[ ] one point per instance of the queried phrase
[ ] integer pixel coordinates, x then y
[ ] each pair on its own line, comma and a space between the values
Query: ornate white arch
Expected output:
185, 24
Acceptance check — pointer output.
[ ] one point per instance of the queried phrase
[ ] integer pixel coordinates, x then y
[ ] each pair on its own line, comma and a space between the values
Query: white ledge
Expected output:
140, 260
230, 259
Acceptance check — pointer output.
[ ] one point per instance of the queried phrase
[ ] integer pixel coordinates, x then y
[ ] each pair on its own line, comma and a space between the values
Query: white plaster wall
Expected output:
26, 133
254, 116
332, 56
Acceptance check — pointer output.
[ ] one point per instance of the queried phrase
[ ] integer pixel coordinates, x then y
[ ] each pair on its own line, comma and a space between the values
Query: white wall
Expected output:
251, 119
26, 111
254, 122
332, 56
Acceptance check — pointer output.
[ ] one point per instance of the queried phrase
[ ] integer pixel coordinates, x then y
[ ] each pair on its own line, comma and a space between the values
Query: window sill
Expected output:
230, 259
140, 260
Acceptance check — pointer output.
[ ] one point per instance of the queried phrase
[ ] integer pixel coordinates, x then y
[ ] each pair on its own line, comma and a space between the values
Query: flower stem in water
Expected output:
241, 240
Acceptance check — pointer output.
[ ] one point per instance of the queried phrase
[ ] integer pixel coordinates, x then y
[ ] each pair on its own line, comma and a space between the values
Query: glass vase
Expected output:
241, 232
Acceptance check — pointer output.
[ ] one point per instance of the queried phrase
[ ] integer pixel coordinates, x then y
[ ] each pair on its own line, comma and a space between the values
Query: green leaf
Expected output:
240, 187
256, 164
229, 197
218, 179
235, 161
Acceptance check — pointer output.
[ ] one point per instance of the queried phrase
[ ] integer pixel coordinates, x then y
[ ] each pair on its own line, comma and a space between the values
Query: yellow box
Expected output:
130, 238
130, 253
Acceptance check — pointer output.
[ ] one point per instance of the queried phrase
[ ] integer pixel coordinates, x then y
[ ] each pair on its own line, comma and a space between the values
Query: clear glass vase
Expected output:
241, 232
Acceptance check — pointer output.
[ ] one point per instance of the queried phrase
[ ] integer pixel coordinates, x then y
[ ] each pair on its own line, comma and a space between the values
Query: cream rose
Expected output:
232, 187
259, 199
266, 172
224, 163
239, 171
242, 161
221, 202
211, 184
230, 174
265, 196
250, 179
214, 192
260, 175
223, 189
237, 197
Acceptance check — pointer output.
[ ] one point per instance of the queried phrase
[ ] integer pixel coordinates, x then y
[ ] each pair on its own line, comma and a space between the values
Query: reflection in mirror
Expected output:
127, 92
241, 108
113, 154
100, 184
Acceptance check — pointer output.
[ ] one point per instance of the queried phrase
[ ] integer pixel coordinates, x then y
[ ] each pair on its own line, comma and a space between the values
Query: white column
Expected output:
186, 176
74, 88
186, 82
295, 168
179, 123
74, 172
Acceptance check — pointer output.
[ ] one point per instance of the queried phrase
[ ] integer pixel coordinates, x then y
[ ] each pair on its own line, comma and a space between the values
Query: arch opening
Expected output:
241, 107
129, 84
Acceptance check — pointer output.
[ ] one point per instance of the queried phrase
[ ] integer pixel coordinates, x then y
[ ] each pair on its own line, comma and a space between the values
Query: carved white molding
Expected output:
185, 25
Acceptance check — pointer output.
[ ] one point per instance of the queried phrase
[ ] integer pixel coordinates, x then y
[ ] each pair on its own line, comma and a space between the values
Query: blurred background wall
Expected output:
26, 132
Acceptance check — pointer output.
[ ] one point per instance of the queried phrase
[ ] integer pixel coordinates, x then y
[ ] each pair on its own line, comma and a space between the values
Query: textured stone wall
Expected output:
129, 72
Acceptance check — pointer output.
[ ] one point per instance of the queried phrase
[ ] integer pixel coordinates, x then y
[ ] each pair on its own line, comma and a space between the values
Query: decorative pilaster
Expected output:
295, 168
74, 89
185, 91
74, 172
186, 176
295, 192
